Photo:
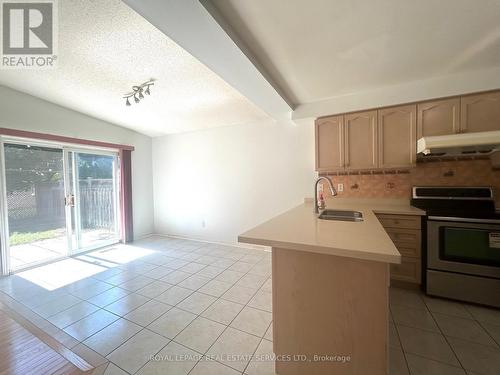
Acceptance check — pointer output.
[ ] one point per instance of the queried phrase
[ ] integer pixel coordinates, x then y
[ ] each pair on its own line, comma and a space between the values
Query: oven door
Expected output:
468, 246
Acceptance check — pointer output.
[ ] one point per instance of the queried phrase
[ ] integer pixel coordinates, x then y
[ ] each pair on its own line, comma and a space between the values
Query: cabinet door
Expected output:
330, 143
409, 270
361, 140
397, 136
439, 117
480, 113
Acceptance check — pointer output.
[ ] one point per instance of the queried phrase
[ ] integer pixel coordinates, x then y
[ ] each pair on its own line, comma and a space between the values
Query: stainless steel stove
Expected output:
463, 243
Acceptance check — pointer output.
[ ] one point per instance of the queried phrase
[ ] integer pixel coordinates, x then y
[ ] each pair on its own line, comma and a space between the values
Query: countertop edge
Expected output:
371, 209
353, 254
388, 211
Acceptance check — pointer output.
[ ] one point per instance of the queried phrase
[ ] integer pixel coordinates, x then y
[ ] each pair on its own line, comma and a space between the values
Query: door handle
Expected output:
69, 200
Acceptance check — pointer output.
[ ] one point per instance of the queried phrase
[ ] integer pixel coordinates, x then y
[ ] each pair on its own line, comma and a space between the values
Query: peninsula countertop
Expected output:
300, 229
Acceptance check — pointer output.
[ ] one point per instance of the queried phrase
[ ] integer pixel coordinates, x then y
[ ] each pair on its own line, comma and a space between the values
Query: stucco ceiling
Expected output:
105, 48
318, 49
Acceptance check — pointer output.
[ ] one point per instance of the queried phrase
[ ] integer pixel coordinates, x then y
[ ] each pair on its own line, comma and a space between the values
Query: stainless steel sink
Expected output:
341, 215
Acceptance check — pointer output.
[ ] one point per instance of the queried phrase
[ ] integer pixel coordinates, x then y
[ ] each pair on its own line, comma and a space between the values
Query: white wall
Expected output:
25, 112
408, 92
215, 184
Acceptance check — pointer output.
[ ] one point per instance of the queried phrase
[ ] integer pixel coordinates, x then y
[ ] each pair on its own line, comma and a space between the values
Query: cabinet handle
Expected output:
346, 146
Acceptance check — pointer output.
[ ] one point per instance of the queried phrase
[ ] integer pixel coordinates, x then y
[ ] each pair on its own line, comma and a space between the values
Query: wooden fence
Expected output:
42, 206
96, 204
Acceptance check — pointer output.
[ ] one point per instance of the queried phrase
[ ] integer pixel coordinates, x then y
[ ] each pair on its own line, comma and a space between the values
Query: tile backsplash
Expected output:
392, 184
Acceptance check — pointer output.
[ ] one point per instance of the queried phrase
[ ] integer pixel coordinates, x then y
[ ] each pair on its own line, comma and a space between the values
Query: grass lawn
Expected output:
21, 238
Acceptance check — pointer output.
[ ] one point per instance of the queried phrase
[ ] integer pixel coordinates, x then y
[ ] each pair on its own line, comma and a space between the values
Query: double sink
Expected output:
341, 215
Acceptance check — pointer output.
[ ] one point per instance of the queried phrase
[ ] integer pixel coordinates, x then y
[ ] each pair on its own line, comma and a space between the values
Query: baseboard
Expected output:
405, 285
143, 236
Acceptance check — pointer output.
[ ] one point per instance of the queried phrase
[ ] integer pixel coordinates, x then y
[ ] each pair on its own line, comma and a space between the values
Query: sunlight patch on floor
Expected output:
56, 275
121, 254
59, 274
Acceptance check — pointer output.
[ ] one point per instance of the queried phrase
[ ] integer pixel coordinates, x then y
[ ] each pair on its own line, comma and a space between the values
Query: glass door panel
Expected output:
34, 181
95, 194
469, 245
59, 201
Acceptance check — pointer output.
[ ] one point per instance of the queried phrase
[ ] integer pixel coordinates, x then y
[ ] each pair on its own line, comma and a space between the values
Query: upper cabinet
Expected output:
387, 137
438, 117
366, 140
330, 143
397, 136
361, 140
480, 113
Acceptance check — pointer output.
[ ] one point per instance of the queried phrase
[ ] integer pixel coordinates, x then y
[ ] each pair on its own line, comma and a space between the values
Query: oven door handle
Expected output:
464, 219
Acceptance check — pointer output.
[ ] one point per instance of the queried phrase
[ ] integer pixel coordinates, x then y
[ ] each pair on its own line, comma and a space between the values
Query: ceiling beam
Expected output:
190, 25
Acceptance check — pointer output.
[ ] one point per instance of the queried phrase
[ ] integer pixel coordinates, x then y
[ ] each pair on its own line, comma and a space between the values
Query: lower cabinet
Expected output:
409, 270
406, 234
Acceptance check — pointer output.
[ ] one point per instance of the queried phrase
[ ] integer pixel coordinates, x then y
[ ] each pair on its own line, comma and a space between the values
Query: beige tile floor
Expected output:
170, 306
433, 336
29, 254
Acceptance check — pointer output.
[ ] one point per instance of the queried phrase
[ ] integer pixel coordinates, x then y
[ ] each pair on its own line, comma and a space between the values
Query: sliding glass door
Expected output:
93, 199
59, 201
34, 189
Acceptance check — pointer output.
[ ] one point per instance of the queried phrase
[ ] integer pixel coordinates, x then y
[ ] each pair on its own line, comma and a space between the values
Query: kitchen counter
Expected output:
300, 229
330, 287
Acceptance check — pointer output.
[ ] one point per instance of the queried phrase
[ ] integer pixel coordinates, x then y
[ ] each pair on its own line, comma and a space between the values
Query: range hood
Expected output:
459, 144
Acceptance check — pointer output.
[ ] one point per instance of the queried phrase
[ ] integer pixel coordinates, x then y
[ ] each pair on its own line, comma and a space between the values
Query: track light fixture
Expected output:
137, 92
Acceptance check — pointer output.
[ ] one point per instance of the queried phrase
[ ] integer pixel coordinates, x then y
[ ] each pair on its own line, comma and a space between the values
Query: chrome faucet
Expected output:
332, 190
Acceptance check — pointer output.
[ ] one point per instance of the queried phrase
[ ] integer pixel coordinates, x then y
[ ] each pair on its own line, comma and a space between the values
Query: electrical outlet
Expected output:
340, 187
320, 188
